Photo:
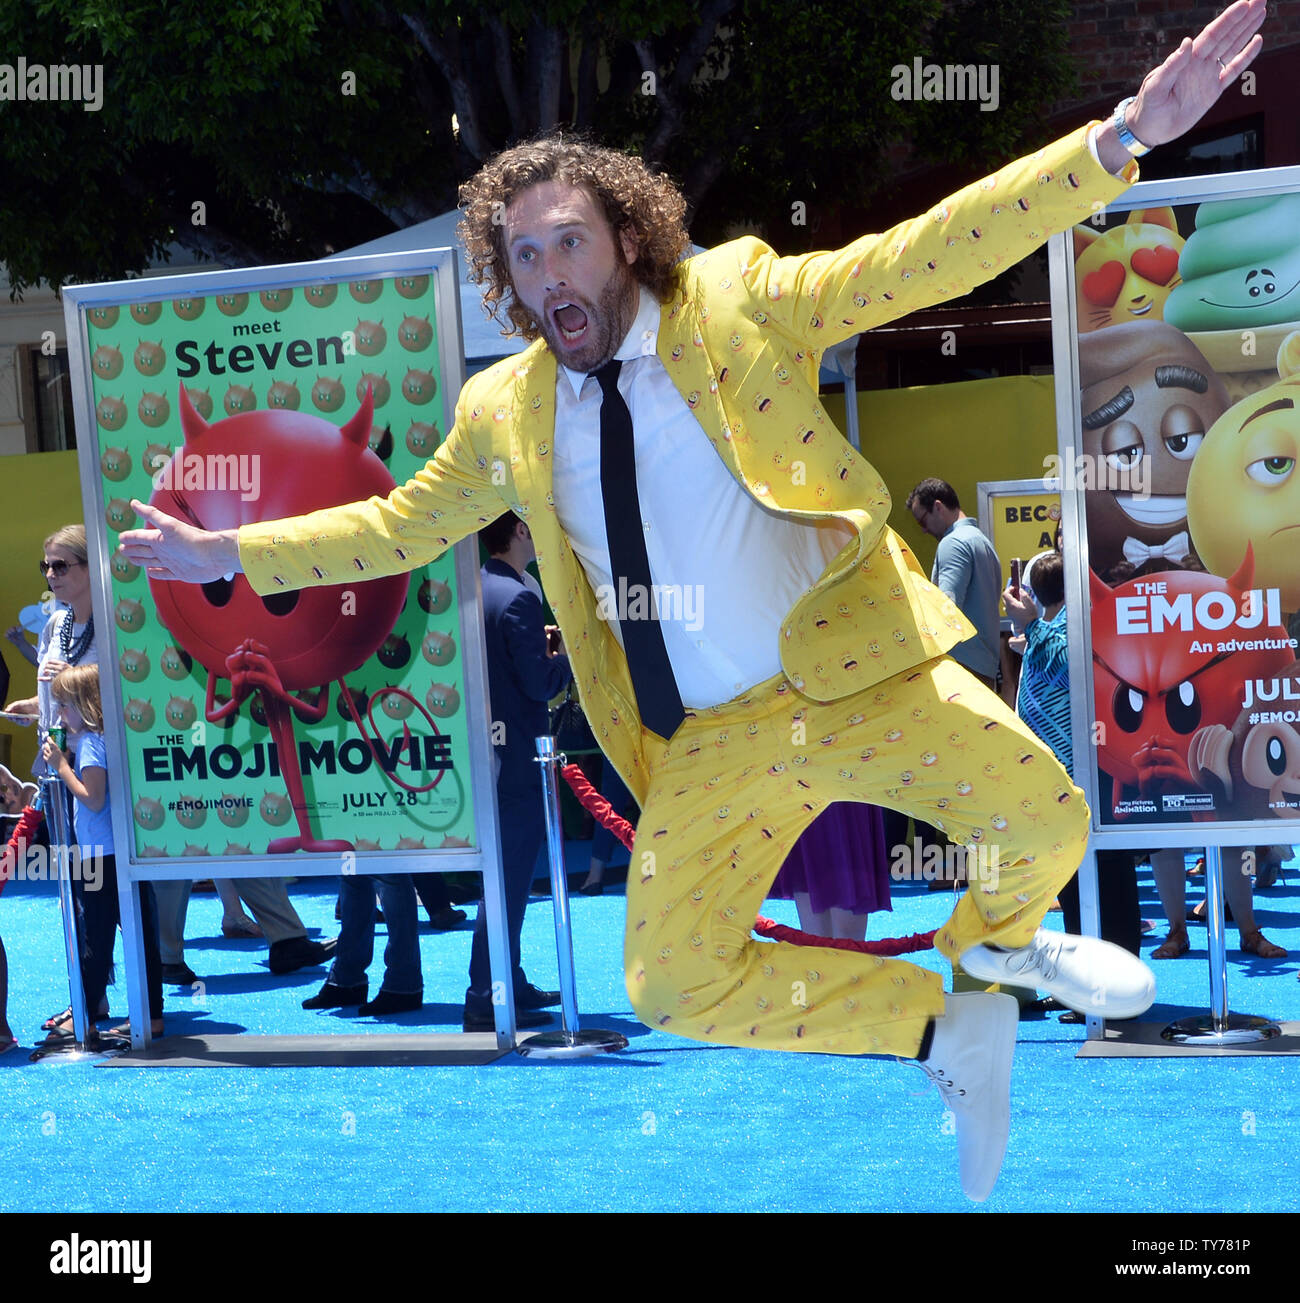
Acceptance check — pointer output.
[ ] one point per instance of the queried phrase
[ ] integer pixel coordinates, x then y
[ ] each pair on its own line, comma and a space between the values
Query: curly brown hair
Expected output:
633, 198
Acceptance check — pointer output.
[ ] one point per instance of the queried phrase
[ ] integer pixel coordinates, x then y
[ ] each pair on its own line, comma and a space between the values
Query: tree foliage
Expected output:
278, 130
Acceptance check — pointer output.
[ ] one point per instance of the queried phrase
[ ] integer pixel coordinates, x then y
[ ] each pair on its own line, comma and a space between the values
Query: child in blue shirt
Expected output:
84, 771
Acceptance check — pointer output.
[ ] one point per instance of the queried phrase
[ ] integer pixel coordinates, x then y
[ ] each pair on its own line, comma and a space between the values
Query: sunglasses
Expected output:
57, 568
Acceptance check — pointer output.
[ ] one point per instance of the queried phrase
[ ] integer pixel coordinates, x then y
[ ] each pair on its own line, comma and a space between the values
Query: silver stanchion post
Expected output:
1219, 1027
570, 1041
54, 805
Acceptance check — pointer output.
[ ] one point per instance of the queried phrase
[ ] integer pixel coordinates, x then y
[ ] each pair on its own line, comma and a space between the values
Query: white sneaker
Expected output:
1087, 975
970, 1062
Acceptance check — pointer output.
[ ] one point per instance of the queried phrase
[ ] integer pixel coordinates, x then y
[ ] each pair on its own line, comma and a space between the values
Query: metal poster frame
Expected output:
485, 858
1174, 192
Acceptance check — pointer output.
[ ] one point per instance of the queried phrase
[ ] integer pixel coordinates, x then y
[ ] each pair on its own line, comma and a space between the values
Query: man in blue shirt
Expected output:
967, 569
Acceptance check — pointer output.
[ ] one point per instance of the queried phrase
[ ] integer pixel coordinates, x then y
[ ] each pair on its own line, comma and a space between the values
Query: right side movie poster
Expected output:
1187, 327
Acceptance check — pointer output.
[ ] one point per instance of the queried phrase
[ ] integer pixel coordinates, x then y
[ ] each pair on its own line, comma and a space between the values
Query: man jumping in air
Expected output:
750, 639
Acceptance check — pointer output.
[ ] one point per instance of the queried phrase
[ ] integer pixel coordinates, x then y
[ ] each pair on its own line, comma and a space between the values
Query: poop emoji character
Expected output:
1148, 396
1241, 266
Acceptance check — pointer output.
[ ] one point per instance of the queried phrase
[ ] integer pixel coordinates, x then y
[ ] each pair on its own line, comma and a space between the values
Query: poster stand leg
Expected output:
1090, 924
570, 1042
1219, 1027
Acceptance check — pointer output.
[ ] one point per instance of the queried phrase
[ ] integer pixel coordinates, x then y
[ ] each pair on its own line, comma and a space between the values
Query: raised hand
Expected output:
51, 670
1020, 607
173, 549
56, 759
1175, 96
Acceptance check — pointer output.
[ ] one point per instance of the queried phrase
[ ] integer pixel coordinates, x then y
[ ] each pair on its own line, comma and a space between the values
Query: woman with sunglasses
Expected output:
68, 638
69, 634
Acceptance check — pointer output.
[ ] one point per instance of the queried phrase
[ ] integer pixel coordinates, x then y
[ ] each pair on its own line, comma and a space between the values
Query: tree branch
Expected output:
402, 210
218, 245
701, 177
585, 101
463, 97
548, 48
505, 70
701, 38
670, 97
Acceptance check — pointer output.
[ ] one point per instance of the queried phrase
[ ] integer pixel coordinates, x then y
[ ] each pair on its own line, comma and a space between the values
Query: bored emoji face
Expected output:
1243, 490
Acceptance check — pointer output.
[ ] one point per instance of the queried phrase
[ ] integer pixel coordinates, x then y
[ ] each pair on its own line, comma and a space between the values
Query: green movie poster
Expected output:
241, 738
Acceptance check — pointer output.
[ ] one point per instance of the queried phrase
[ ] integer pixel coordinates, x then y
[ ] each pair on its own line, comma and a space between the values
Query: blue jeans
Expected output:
356, 945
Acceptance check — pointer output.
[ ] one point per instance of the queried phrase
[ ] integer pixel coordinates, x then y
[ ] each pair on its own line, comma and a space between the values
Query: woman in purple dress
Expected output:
838, 872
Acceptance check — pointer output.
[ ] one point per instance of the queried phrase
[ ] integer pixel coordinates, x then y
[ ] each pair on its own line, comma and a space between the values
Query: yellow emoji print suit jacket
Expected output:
741, 339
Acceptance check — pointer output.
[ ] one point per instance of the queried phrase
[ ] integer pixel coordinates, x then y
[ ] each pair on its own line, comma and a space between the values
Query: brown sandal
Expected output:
1256, 943
63, 1021
1176, 944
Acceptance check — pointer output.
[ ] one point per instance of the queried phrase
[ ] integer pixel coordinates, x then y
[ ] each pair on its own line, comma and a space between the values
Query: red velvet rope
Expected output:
888, 946
596, 805
601, 810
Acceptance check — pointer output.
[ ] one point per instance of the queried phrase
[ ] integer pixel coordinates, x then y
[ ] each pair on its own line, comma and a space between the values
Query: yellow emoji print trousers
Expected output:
736, 785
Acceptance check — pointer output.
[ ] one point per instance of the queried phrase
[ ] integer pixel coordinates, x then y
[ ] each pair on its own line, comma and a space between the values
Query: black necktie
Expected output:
658, 701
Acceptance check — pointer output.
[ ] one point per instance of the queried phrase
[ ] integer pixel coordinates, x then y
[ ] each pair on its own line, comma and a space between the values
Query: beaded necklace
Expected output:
74, 651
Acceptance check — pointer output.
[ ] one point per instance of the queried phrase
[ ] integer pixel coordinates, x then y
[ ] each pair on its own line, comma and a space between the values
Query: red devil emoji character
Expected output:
264, 465
1166, 662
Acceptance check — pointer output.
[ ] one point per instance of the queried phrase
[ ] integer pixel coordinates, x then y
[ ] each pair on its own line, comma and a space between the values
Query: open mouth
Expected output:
570, 321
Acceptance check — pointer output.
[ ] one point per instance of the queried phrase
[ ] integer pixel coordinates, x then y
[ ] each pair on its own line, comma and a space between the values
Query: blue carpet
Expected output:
665, 1125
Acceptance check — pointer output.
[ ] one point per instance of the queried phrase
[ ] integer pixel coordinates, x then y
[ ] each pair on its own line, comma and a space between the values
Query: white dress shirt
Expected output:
726, 570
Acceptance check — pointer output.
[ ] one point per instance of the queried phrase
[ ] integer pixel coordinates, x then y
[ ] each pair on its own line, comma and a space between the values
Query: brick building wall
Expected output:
1117, 41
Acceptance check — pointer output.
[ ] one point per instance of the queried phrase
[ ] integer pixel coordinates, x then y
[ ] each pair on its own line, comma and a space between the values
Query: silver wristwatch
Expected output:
1126, 137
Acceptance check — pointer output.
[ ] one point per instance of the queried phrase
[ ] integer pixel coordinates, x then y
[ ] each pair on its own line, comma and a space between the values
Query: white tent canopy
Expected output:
483, 339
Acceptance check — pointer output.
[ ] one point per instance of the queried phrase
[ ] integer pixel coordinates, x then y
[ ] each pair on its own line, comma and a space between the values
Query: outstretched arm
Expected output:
172, 549
1175, 96
969, 237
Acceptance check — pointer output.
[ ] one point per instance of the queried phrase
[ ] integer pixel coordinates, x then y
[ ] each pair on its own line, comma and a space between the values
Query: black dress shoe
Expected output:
529, 997
592, 889
293, 953
337, 997
387, 1002
479, 1017
179, 974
